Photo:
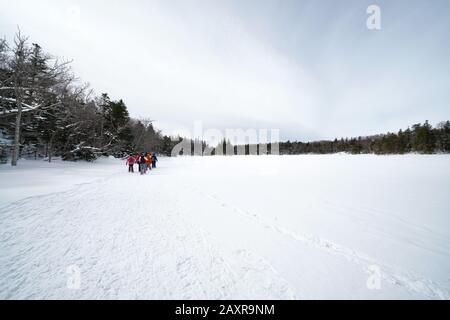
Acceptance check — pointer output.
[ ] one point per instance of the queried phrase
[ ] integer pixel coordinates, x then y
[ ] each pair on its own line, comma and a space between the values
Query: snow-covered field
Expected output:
302, 227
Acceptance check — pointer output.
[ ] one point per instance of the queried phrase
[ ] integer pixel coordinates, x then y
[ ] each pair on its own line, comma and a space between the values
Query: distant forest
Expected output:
45, 112
420, 138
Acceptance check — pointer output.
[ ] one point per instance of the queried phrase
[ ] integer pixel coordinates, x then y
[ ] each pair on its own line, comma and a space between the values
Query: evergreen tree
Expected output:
424, 140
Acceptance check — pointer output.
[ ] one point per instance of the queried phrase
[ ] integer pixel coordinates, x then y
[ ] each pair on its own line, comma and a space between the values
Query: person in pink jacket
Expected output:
130, 163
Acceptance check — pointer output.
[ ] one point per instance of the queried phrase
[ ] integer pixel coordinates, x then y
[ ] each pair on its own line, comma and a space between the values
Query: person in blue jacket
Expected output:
154, 159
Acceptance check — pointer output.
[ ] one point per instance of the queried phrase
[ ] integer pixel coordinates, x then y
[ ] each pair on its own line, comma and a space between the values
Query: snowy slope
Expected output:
284, 227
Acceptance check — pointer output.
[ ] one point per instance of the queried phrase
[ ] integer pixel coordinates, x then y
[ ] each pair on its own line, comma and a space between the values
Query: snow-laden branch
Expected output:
81, 146
27, 106
77, 123
14, 88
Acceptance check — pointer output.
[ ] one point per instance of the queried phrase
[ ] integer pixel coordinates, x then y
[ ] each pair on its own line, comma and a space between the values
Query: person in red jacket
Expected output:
130, 162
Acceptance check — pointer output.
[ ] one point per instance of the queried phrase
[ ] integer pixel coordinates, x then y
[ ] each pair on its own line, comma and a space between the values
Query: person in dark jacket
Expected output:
142, 165
154, 159
137, 158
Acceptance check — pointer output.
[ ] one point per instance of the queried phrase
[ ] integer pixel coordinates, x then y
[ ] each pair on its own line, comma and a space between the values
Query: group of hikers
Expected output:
145, 161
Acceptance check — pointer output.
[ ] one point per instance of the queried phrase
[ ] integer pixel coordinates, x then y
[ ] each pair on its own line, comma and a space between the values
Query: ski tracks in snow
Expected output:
126, 242
409, 280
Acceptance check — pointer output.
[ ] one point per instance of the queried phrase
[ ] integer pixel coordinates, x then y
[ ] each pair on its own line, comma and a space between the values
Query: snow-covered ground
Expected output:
304, 227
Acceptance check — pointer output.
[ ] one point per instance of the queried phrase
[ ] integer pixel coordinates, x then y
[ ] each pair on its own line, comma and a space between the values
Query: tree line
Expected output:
419, 138
45, 111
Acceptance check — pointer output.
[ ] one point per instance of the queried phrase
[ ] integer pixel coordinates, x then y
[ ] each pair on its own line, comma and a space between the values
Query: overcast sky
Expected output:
309, 68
